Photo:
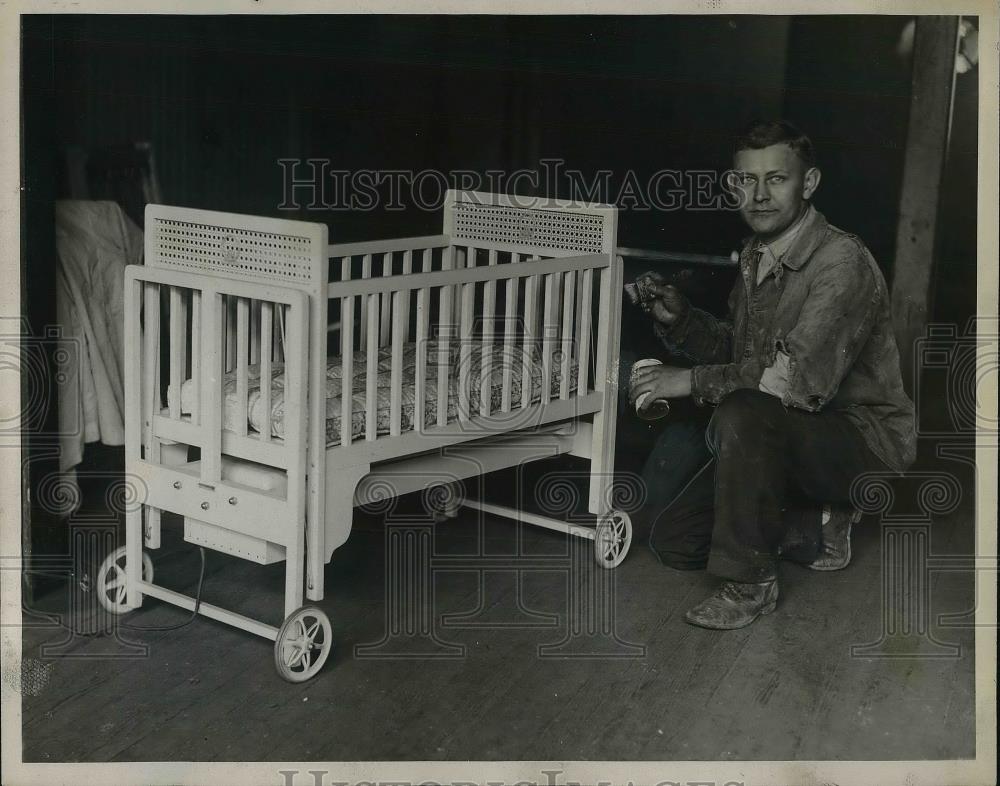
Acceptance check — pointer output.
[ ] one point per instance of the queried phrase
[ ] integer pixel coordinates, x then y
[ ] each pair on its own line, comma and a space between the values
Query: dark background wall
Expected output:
223, 98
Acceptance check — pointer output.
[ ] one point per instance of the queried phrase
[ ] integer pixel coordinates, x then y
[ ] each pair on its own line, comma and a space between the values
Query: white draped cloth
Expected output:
94, 243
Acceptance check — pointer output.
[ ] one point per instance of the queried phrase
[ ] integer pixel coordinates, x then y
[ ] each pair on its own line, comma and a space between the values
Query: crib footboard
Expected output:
200, 339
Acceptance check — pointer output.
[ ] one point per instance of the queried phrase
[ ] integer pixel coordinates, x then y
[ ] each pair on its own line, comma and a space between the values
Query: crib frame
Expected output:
225, 277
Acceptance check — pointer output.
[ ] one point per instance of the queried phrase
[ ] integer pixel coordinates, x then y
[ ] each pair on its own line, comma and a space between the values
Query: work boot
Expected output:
837, 523
734, 605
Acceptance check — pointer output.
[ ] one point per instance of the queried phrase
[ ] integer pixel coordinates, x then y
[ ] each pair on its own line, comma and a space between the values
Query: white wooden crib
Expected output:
524, 295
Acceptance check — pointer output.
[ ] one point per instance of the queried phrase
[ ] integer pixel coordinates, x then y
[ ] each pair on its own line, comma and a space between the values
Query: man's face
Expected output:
775, 185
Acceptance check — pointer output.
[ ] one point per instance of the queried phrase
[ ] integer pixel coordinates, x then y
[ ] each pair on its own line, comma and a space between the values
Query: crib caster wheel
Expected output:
612, 538
442, 502
441, 516
112, 583
303, 644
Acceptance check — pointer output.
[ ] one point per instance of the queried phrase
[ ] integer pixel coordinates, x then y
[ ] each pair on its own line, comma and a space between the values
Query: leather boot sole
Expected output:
830, 565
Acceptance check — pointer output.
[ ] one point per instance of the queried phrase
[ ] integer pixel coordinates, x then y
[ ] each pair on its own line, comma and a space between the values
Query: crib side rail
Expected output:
534, 317
403, 256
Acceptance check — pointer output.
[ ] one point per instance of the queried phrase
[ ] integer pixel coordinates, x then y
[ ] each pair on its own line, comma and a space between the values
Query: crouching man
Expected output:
806, 382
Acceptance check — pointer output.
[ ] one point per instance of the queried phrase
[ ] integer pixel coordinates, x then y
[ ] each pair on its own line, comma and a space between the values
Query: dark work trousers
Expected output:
663, 456
726, 497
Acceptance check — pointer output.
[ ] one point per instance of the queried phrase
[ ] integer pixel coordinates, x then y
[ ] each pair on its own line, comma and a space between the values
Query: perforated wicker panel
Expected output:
561, 229
242, 253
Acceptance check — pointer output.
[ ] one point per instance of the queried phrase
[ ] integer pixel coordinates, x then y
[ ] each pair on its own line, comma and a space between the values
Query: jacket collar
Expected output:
809, 238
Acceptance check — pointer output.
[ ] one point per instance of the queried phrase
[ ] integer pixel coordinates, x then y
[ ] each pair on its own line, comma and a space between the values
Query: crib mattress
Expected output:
470, 370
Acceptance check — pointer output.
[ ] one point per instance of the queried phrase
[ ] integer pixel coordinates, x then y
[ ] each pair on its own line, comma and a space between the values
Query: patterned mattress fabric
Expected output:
471, 369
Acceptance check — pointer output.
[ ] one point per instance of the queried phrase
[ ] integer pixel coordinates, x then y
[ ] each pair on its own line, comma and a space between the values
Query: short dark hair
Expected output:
764, 133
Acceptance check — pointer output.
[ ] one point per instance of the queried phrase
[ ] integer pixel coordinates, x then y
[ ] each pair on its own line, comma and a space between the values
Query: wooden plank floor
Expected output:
784, 688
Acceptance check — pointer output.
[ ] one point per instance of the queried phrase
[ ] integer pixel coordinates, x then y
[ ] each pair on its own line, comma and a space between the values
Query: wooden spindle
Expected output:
420, 357
266, 344
530, 286
509, 328
278, 340
569, 305
178, 350
347, 368
196, 356
550, 330
150, 367
583, 340
255, 331
371, 372
213, 350
404, 312
386, 301
465, 351
396, 368
444, 331
230, 343
366, 272
486, 372
242, 372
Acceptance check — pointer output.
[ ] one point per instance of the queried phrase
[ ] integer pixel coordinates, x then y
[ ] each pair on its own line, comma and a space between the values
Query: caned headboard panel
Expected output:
475, 217
291, 253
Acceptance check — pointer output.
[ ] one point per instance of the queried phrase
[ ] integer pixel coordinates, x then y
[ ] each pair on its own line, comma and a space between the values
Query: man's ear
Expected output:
810, 182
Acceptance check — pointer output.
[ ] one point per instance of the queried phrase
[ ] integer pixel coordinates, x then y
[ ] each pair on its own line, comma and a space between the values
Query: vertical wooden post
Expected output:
926, 146
214, 356
602, 454
316, 348
136, 359
297, 382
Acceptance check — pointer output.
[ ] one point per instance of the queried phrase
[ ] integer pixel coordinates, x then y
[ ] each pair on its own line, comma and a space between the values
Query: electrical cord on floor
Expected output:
54, 617
194, 611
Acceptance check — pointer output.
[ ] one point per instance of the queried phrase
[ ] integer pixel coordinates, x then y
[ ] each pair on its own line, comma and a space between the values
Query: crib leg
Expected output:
332, 526
294, 571
171, 454
314, 578
314, 574
602, 461
152, 531
133, 556
315, 547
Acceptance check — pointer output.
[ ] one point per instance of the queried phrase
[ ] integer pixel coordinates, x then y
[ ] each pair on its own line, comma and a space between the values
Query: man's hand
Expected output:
662, 382
667, 305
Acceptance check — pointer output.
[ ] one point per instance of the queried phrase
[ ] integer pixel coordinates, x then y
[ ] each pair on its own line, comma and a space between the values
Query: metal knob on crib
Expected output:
232, 500
204, 506
177, 484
